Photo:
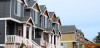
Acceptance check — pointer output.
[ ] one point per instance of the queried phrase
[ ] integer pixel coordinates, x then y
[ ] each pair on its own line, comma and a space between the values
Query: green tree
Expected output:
97, 40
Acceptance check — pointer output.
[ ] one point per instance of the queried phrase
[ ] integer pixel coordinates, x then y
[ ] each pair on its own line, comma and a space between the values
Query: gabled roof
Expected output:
68, 29
79, 32
50, 30
42, 8
56, 19
30, 3
51, 14
27, 19
36, 6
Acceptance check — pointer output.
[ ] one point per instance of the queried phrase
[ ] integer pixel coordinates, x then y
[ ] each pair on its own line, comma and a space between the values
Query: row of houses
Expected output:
25, 22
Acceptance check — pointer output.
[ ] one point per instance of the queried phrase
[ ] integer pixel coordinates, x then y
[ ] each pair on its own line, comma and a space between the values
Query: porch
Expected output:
17, 40
18, 33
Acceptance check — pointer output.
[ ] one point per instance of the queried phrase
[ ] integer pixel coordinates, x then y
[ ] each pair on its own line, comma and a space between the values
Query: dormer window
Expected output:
18, 8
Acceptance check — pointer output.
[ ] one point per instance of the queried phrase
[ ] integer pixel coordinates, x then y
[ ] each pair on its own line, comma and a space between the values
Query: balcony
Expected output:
19, 39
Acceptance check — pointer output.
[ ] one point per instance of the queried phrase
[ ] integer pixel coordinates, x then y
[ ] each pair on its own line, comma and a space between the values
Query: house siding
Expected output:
4, 8
2, 31
69, 45
68, 37
13, 9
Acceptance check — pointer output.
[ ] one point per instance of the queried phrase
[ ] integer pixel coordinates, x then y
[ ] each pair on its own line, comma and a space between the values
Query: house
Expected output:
69, 39
80, 39
24, 21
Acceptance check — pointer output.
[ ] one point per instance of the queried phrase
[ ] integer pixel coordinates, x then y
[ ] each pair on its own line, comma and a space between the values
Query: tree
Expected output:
97, 40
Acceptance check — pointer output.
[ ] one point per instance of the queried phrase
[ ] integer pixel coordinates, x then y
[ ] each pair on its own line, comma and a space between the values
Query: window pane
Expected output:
19, 8
36, 17
64, 45
45, 22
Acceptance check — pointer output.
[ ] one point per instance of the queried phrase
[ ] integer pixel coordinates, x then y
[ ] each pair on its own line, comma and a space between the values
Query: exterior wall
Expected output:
4, 8
81, 39
68, 44
68, 37
13, 15
2, 31
77, 37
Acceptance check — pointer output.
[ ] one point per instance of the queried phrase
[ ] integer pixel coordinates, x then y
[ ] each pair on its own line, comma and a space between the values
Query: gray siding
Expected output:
2, 32
4, 8
13, 9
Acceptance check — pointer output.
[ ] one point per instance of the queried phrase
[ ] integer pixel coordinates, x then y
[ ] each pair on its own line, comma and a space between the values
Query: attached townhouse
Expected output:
24, 21
68, 39
71, 37
80, 39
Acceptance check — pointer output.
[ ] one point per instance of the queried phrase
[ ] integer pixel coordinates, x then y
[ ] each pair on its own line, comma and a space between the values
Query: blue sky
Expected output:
85, 14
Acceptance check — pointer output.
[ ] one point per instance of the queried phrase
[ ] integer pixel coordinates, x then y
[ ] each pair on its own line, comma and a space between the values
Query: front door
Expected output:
19, 31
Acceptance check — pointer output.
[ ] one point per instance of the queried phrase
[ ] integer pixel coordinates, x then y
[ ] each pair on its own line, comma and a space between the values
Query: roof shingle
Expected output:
68, 29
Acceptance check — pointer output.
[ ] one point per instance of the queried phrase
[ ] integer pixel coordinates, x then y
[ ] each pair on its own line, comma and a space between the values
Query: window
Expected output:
18, 8
63, 45
46, 22
40, 20
36, 17
58, 27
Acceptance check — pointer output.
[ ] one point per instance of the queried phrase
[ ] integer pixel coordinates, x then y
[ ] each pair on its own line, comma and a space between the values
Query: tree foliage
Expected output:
97, 40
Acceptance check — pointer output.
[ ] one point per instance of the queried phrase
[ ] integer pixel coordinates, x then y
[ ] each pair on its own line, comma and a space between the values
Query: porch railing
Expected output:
19, 39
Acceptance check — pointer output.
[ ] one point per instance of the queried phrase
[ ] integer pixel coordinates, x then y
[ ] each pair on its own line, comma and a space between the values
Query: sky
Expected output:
84, 14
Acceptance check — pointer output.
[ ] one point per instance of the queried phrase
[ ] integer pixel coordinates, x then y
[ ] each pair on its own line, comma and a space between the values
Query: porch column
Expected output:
24, 30
56, 41
49, 38
78, 45
53, 40
30, 32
